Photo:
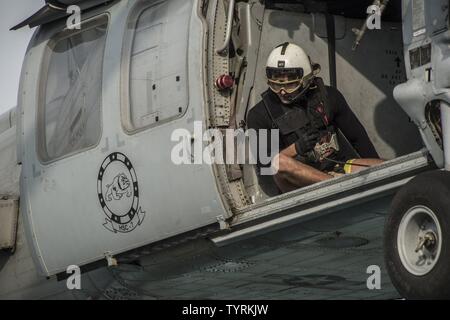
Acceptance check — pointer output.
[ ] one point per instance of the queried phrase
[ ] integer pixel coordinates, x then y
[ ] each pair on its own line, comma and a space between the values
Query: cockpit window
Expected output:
155, 61
71, 97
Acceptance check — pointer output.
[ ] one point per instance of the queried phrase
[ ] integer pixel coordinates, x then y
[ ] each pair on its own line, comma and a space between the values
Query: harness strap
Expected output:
319, 103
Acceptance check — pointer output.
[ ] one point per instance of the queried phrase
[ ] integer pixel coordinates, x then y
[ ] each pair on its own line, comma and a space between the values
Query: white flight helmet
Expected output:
289, 68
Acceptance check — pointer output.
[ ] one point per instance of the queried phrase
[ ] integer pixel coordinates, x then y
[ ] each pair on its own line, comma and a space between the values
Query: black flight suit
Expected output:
339, 116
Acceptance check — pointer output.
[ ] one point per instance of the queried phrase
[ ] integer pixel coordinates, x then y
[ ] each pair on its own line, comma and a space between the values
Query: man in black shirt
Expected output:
320, 137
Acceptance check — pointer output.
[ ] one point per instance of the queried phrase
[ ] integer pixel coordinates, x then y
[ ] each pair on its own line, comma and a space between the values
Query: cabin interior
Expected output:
326, 30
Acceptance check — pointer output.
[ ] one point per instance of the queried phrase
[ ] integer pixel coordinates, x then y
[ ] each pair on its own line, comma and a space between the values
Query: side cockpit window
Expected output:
155, 64
71, 93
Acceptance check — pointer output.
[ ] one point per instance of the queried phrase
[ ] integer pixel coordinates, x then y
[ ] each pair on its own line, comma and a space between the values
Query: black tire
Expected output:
431, 189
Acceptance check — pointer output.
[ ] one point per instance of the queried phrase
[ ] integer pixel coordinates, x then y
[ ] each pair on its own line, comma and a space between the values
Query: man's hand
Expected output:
307, 141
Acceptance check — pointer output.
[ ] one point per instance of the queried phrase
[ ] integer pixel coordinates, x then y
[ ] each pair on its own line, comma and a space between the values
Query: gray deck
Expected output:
322, 259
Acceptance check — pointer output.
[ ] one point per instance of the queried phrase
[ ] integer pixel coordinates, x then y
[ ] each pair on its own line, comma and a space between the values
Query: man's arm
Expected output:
350, 126
293, 174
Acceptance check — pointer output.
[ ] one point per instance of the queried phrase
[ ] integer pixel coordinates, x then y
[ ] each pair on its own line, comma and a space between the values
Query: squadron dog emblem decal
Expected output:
118, 193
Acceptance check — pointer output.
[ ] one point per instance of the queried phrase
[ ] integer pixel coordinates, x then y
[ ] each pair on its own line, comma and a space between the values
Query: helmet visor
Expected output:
287, 74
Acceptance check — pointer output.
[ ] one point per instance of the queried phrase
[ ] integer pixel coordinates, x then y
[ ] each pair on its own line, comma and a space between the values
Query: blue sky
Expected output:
13, 45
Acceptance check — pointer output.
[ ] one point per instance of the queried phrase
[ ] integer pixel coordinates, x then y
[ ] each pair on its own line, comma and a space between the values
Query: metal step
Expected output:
323, 198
